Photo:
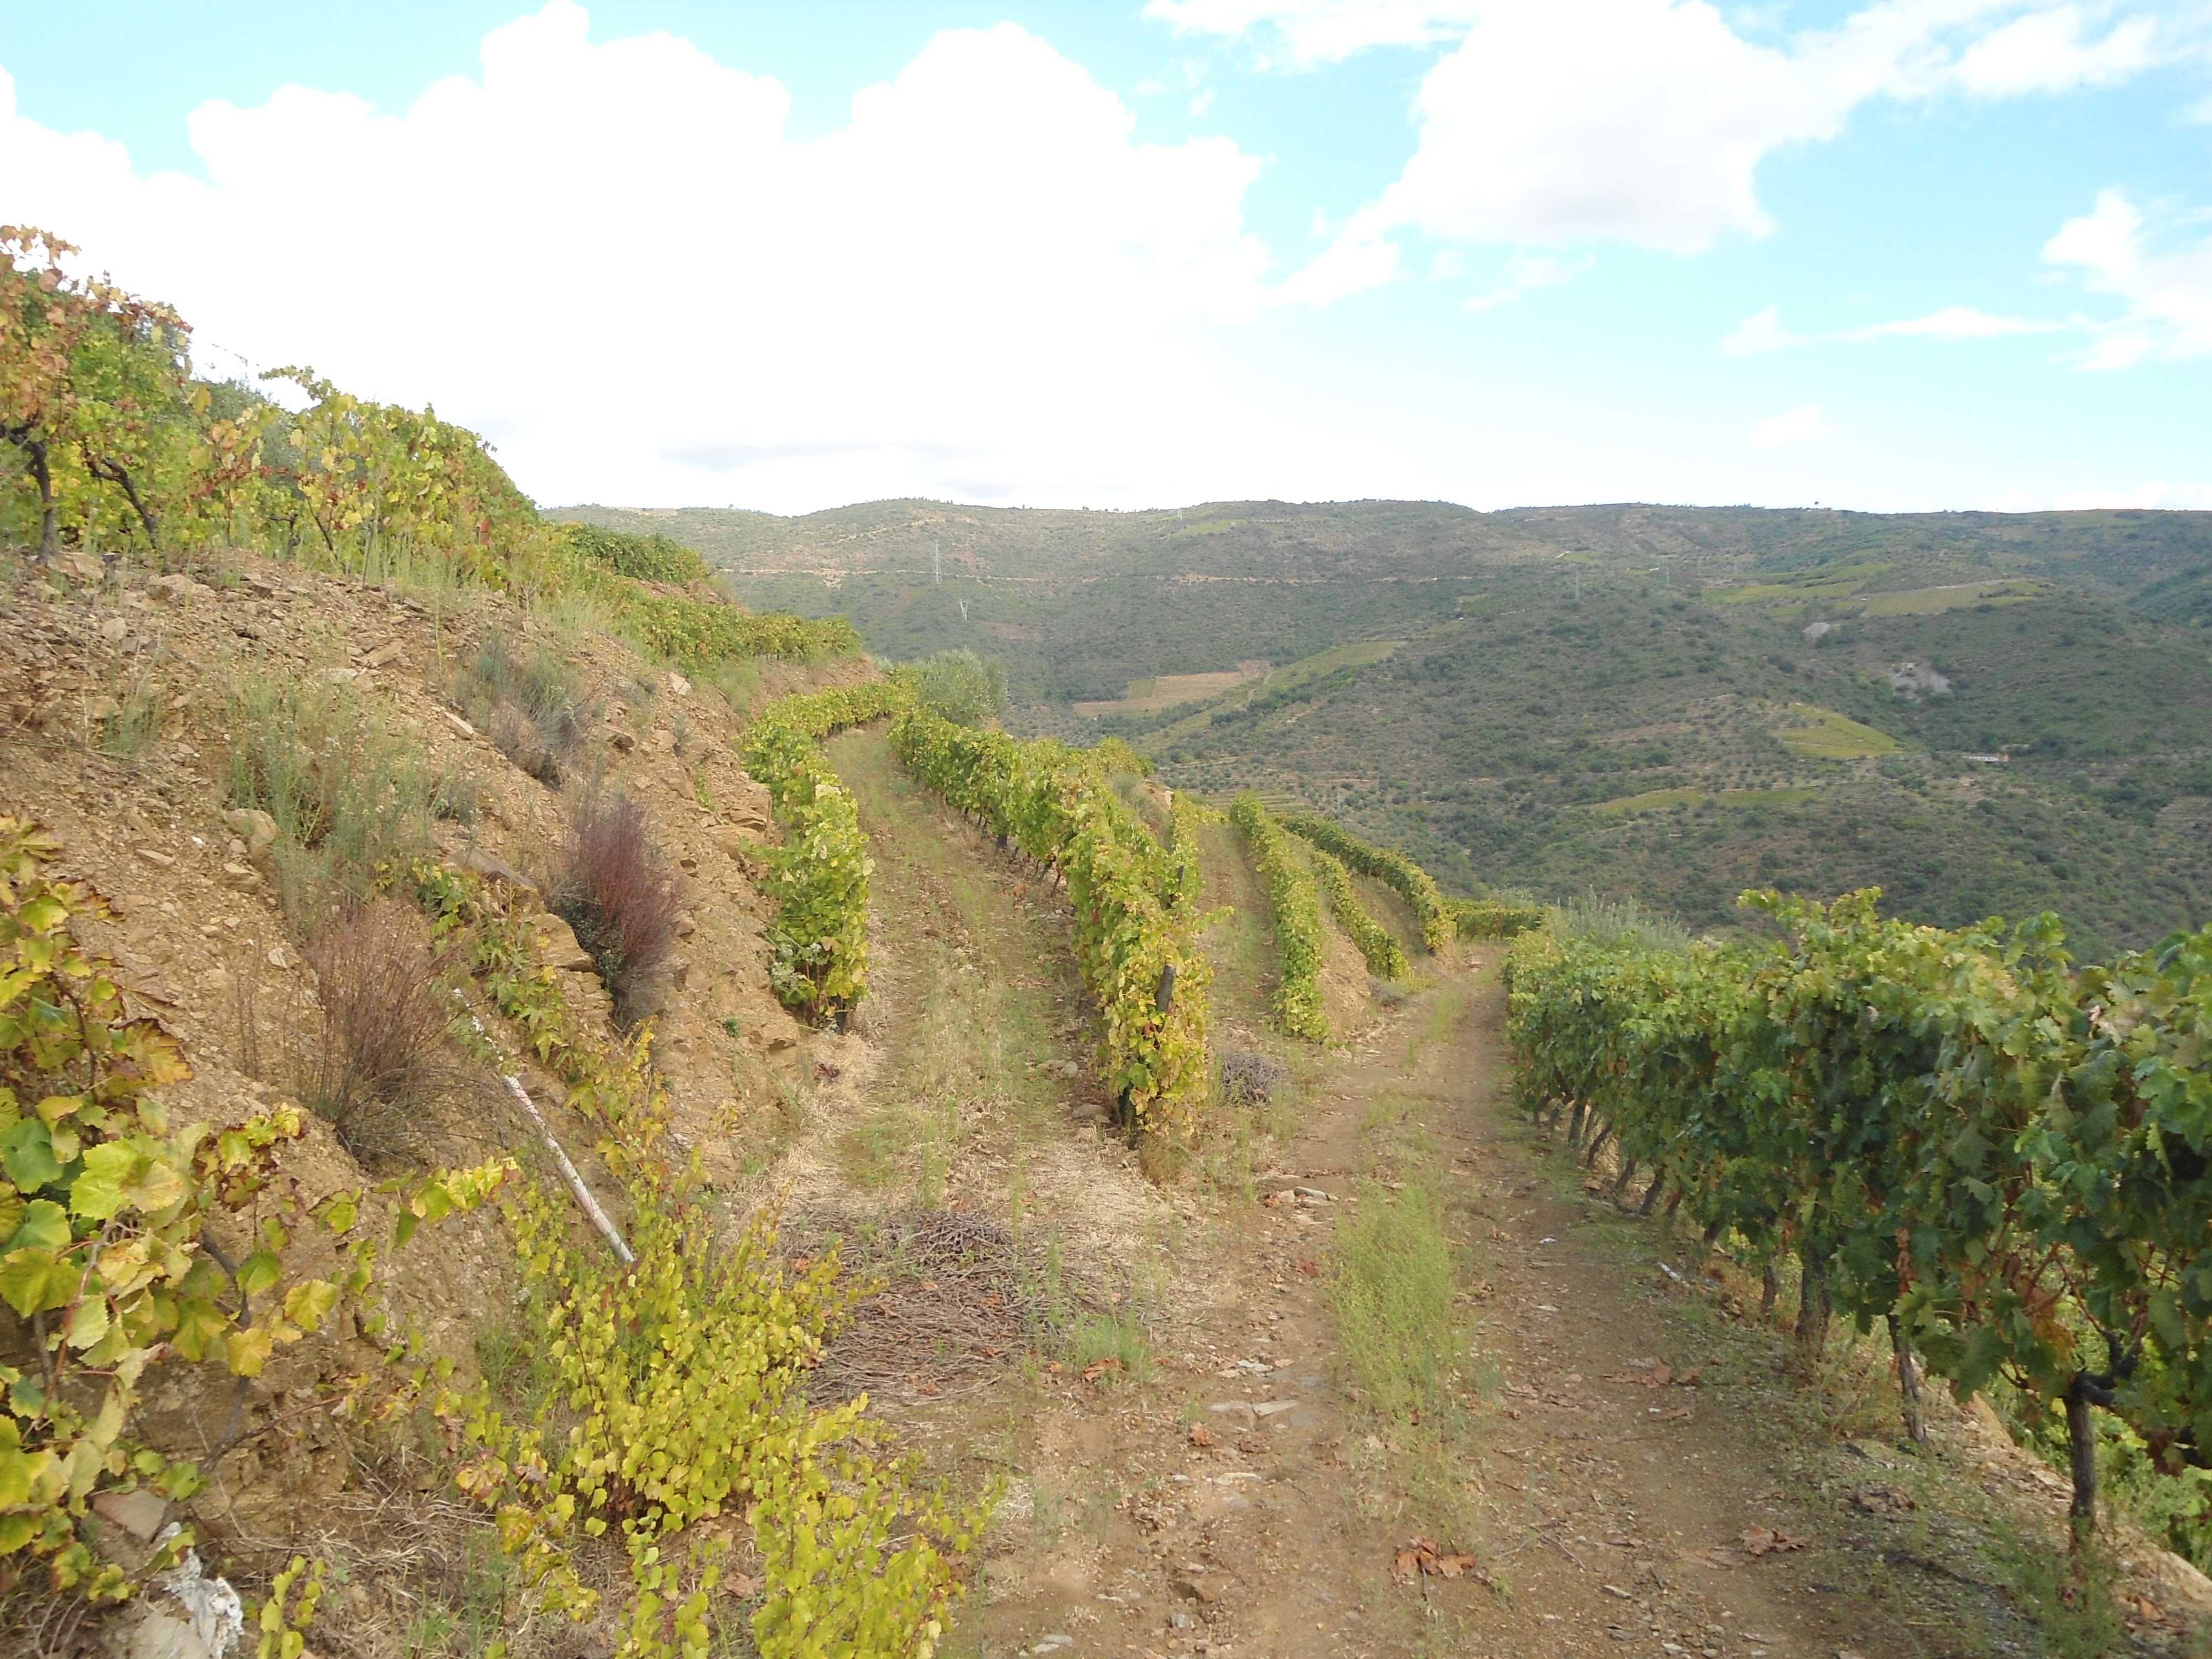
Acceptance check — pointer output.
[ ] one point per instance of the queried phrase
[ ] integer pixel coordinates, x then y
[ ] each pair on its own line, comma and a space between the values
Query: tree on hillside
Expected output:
88, 374
963, 687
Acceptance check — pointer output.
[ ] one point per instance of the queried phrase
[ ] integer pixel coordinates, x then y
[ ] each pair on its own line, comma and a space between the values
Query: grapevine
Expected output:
107, 1268
1385, 956
1954, 1132
119, 444
818, 942
1384, 865
1294, 902
1135, 931
679, 1385
1186, 875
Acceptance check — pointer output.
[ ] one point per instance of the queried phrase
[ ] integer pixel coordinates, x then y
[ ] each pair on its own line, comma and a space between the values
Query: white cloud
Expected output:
1794, 426
1350, 264
1526, 272
1953, 322
1646, 121
2165, 296
1763, 331
2050, 51
1311, 31
613, 258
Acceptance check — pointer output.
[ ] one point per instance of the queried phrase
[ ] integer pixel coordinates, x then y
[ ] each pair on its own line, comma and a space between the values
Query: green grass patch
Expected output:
1927, 601
1822, 582
1766, 593
1823, 734
1115, 1342
1356, 654
1392, 1295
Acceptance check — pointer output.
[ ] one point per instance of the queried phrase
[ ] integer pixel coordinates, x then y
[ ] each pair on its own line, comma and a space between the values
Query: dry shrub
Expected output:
1250, 1078
378, 1054
532, 706
957, 1297
619, 895
519, 739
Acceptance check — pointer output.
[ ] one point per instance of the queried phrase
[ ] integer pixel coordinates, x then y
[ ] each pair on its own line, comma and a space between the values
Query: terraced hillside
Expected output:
545, 1112
1342, 1357
1637, 699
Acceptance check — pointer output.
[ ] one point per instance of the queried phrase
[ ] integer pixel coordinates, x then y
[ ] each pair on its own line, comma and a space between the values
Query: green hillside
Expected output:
1677, 702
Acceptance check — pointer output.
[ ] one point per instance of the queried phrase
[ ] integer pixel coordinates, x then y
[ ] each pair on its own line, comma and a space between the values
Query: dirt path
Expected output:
1280, 1535
1195, 1457
1246, 1500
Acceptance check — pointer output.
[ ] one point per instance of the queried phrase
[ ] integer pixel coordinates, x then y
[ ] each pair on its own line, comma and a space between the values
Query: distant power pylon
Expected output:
936, 563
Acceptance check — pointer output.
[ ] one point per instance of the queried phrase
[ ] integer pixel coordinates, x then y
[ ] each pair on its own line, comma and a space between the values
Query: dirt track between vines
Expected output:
1596, 1502
1606, 1510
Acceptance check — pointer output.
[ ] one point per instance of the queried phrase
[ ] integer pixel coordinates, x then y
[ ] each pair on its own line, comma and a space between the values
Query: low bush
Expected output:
959, 685
1600, 919
377, 1053
617, 893
1294, 903
1495, 918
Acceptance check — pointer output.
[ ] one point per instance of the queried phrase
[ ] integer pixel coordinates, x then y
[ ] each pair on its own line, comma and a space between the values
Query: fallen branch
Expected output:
589, 1205
585, 1201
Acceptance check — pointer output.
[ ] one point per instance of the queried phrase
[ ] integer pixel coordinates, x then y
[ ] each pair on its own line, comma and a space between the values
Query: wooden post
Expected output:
1908, 1386
1814, 1309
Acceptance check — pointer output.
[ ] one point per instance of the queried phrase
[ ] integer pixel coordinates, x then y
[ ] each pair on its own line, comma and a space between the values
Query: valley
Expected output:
1616, 699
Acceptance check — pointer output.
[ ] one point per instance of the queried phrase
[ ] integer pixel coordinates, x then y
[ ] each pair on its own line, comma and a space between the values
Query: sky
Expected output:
1884, 254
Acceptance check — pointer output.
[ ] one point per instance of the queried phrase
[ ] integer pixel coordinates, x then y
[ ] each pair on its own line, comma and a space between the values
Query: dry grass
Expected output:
614, 889
347, 793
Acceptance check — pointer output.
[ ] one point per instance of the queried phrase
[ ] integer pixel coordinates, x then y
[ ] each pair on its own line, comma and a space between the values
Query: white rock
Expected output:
216, 1619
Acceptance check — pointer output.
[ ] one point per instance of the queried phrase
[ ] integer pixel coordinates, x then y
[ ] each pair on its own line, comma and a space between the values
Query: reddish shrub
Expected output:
615, 891
378, 1052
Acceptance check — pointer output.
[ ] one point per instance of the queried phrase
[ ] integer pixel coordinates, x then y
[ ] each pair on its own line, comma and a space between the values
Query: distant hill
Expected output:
1676, 701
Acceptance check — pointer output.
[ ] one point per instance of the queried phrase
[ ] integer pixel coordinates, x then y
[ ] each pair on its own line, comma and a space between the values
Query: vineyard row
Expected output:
2004, 1158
